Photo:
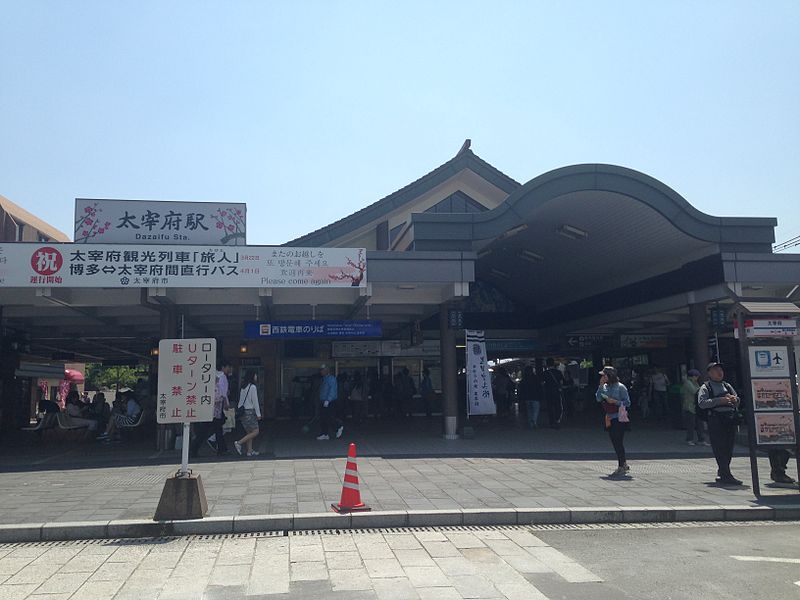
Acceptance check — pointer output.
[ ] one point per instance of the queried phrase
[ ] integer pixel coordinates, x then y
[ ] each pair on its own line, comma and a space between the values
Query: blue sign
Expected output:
311, 329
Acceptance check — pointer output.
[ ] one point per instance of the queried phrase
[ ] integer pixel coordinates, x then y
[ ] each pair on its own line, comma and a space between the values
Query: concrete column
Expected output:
449, 381
700, 333
168, 329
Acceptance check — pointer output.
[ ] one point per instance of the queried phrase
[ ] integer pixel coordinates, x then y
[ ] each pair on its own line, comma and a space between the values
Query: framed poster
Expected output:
769, 361
773, 428
772, 394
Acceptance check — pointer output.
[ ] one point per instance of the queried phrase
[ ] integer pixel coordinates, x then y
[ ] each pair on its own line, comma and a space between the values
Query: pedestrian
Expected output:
719, 398
691, 422
405, 392
778, 461
616, 401
250, 410
358, 398
328, 394
426, 391
659, 382
530, 393
553, 384
502, 389
211, 432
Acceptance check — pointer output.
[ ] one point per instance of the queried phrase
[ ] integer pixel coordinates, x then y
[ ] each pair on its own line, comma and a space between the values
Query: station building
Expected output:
589, 263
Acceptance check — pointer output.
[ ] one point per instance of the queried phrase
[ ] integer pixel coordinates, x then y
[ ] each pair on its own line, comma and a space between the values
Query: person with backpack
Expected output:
691, 422
721, 403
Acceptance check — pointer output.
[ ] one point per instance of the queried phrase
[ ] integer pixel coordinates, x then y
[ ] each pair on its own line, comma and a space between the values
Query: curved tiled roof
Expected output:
465, 159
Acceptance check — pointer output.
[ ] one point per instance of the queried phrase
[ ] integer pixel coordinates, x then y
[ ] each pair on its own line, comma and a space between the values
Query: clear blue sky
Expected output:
308, 111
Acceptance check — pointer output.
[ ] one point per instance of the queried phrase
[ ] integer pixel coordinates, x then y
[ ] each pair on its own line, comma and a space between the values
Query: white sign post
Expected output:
186, 383
480, 400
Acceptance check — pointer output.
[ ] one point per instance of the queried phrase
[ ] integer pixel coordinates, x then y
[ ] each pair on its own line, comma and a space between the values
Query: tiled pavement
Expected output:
250, 487
505, 467
442, 563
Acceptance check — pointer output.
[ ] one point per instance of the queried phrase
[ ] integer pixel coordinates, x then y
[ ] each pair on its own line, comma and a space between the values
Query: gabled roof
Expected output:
20, 214
465, 159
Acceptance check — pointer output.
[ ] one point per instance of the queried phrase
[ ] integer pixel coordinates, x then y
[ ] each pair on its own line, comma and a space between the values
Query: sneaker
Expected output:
238, 447
704, 443
627, 467
781, 478
253, 453
339, 431
690, 443
323, 437
729, 480
211, 445
620, 472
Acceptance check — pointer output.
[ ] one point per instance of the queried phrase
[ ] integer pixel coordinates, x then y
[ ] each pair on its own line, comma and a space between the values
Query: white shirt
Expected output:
660, 382
248, 399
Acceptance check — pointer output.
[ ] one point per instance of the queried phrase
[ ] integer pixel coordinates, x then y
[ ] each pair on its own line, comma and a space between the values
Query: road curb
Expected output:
142, 528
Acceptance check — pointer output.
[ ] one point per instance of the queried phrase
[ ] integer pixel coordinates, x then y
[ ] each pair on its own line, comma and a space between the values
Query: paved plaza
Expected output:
525, 563
80, 482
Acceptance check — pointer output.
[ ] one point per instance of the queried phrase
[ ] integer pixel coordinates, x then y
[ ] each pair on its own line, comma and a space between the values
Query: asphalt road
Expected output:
695, 562
679, 563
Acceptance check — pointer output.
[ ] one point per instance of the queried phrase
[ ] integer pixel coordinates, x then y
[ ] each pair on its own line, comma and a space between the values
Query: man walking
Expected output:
212, 432
720, 400
658, 396
328, 394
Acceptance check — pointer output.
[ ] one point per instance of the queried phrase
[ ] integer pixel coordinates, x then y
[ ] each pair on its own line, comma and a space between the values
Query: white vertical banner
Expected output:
480, 400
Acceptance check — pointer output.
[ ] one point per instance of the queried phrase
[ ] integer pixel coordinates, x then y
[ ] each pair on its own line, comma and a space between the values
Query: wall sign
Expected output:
642, 341
768, 361
156, 222
186, 380
115, 266
772, 394
311, 329
775, 428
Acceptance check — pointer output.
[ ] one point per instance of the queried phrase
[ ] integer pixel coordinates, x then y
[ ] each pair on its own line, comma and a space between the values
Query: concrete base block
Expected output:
86, 530
329, 520
27, 532
490, 516
256, 523
182, 498
600, 514
749, 513
386, 518
435, 518
138, 528
647, 514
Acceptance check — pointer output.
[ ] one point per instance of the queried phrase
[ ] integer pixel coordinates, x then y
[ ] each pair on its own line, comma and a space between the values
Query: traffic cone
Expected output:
351, 496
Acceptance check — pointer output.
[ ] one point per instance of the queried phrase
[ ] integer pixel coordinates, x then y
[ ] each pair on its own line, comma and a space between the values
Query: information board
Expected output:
186, 380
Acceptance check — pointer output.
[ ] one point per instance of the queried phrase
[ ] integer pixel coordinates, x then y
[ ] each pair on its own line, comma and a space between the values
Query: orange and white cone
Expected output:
351, 496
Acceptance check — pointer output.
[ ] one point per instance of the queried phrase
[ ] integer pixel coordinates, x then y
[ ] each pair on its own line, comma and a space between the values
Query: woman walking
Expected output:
251, 413
615, 400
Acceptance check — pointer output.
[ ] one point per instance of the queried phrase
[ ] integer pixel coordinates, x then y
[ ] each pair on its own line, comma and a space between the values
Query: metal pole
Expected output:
745, 394
187, 427
185, 450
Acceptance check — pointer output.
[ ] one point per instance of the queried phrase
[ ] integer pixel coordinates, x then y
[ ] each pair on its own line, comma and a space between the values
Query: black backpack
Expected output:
702, 413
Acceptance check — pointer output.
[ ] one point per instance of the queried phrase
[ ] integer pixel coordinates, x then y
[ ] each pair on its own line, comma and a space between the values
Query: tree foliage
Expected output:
100, 377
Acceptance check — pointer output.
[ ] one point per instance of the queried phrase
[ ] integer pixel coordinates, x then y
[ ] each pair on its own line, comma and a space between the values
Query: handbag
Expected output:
623, 416
240, 408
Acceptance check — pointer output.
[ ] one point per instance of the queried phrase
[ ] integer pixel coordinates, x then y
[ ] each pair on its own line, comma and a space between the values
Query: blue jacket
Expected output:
616, 391
328, 390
